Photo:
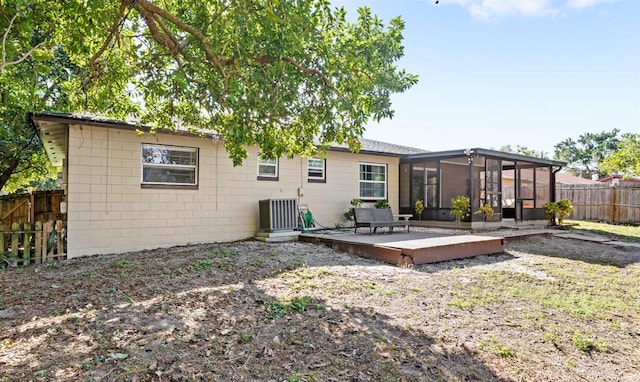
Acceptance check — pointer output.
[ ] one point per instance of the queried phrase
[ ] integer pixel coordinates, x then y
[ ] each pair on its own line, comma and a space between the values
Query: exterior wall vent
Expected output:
278, 215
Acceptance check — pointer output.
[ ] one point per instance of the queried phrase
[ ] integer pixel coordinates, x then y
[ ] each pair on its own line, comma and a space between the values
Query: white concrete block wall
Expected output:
109, 211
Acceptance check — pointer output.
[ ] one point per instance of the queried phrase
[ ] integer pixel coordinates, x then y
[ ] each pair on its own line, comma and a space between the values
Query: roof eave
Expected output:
485, 152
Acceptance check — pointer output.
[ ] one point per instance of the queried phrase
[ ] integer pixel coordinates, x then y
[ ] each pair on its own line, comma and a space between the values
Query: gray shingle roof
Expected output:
373, 146
368, 145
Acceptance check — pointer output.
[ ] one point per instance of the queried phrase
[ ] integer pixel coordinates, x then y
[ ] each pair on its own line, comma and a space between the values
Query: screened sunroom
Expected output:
515, 186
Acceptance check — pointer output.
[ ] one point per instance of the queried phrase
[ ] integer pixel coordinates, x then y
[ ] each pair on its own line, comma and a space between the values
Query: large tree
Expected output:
288, 76
38, 47
284, 75
585, 155
626, 160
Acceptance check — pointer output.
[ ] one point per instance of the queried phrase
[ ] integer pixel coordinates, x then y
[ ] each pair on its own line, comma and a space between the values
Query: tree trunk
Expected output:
6, 174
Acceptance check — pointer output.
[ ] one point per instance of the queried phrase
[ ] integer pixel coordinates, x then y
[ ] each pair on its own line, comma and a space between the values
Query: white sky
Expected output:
512, 72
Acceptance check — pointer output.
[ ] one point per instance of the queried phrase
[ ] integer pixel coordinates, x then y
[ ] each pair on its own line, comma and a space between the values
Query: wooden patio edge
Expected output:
388, 255
433, 250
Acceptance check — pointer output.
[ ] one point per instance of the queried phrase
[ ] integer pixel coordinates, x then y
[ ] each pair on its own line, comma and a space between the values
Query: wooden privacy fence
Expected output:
39, 206
24, 244
602, 202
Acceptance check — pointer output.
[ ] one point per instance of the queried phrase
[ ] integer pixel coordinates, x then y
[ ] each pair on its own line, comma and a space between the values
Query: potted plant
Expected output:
419, 208
460, 208
382, 204
485, 210
348, 214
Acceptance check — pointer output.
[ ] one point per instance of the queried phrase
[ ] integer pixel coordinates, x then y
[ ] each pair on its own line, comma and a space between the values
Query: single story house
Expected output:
564, 178
617, 180
127, 191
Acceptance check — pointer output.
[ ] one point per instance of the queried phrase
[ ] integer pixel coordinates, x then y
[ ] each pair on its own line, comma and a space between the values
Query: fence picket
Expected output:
38, 246
59, 240
2, 231
15, 236
27, 243
603, 202
46, 234
37, 206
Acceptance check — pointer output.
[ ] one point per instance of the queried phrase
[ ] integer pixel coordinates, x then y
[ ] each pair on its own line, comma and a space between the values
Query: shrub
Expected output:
561, 208
565, 208
460, 208
382, 204
484, 210
550, 209
355, 203
419, 208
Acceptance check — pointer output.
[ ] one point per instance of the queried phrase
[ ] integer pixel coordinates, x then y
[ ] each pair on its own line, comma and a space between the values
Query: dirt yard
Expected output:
545, 310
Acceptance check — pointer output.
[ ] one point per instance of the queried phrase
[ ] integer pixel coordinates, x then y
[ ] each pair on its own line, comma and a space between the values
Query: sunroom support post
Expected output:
469, 154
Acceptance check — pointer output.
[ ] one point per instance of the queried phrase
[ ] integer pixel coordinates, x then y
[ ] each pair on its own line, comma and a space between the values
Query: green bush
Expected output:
565, 208
419, 208
550, 209
382, 204
561, 209
355, 203
460, 208
485, 210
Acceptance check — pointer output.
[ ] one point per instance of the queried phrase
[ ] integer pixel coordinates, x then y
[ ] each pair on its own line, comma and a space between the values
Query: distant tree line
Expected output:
594, 154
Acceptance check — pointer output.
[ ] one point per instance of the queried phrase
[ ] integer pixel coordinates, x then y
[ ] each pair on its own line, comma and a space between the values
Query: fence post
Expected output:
40, 255
32, 206
2, 248
59, 256
15, 235
46, 234
612, 204
26, 244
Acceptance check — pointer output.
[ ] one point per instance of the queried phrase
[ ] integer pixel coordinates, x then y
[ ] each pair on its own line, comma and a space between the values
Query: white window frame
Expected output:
262, 175
316, 169
147, 163
364, 181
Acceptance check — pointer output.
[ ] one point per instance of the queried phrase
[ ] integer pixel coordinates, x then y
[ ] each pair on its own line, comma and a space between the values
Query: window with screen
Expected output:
169, 165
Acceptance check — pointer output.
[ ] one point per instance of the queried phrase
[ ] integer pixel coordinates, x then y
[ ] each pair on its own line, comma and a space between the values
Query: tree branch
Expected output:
6, 173
173, 39
112, 34
153, 16
306, 70
28, 143
4, 62
297, 65
145, 6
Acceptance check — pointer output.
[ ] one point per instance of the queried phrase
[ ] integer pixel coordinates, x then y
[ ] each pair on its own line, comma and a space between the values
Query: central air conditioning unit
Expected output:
278, 215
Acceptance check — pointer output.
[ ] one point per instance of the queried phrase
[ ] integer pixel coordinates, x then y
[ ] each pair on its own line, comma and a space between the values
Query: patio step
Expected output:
435, 249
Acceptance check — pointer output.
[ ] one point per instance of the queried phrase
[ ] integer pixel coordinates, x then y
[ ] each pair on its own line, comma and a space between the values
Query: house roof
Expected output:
474, 152
379, 147
53, 133
562, 178
52, 128
620, 179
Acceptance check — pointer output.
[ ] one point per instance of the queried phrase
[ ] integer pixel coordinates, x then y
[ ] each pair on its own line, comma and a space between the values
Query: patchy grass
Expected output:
622, 232
547, 310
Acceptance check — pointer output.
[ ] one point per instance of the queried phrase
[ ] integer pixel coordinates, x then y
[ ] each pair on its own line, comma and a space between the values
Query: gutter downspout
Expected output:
553, 183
